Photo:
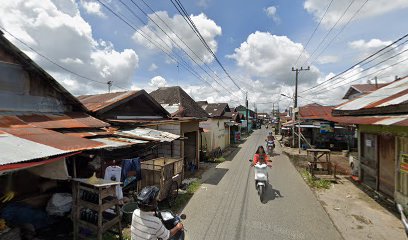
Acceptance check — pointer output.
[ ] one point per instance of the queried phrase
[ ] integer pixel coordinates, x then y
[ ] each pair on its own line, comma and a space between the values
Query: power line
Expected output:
180, 8
314, 31
187, 67
57, 64
354, 65
341, 30
145, 13
380, 70
328, 33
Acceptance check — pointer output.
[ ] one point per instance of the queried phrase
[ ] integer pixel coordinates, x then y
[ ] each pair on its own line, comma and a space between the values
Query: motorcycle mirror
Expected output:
183, 216
269, 160
250, 160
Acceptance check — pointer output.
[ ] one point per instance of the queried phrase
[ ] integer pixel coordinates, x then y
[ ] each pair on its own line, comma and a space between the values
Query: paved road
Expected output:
228, 207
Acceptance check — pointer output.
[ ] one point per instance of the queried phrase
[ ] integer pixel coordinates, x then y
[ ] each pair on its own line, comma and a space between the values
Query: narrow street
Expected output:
227, 205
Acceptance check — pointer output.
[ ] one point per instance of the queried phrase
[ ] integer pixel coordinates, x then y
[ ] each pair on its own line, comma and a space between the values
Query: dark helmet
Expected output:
147, 197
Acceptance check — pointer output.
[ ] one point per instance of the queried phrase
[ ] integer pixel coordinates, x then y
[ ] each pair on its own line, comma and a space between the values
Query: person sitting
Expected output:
261, 157
145, 223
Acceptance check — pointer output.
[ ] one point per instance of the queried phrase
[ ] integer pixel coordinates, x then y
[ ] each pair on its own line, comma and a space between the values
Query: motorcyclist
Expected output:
261, 157
145, 223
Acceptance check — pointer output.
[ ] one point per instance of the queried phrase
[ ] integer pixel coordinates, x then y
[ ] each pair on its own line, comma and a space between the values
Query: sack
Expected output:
59, 204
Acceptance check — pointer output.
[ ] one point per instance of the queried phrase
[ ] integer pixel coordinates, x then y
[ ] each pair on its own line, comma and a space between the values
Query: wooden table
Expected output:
318, 165
105, 198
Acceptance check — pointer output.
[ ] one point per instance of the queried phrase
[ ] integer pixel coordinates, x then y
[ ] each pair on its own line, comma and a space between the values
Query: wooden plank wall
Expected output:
165, 148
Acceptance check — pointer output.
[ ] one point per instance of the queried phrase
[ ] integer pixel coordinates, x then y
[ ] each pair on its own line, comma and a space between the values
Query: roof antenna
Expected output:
109, 85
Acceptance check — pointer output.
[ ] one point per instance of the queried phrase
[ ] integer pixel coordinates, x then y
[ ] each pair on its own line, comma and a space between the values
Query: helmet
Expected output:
147, 196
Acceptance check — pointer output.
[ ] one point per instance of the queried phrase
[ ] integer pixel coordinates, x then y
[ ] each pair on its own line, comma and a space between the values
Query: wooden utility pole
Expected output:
109, 85
295, 105
246, 110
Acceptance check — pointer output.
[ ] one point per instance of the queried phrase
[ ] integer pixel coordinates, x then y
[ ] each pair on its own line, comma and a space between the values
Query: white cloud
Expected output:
270, 58
152, 67
327, 59
92, 7
271, 12
371, 45
371, 9
207, 27
158, 81
203, 3
60, 33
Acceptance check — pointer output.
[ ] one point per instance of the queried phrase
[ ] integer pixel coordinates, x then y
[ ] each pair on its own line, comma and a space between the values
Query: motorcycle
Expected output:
170, 220
270, 146
261, 179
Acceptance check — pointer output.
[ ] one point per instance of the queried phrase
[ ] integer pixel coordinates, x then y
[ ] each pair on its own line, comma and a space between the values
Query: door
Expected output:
386, 156
190, 148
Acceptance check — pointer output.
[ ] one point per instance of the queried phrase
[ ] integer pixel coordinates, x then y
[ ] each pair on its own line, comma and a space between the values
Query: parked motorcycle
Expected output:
170, 220
261, 179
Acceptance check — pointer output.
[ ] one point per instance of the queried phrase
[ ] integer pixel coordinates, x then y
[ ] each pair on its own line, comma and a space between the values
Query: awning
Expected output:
113, 142
148, 134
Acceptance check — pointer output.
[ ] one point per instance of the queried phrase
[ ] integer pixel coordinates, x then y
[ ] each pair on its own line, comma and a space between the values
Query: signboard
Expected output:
244, 123
404, 163
326, 127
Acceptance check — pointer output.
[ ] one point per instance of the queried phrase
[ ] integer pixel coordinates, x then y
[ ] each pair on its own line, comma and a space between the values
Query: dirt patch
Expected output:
362, 219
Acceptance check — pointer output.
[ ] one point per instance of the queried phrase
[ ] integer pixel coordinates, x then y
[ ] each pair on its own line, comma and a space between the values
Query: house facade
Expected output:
188, 114
382, 120
216, 130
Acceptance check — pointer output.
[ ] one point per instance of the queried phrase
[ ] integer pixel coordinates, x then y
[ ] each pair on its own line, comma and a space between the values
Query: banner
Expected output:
404, 163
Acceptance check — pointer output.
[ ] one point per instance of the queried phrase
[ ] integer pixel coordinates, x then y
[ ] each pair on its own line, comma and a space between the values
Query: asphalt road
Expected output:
227, 205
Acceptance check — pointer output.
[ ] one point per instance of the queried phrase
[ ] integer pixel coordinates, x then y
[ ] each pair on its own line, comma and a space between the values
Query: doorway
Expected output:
386, 155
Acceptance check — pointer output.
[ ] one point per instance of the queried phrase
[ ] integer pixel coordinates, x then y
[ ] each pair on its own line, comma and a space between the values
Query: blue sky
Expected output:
257, 41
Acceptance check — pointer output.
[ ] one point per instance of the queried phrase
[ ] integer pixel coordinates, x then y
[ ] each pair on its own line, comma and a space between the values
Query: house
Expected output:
357, 90
217, 127
251, 115
189, 114
382, 120
322, 130
135, 114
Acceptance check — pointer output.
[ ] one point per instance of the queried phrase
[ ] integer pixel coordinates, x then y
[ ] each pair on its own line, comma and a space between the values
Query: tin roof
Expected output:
215, 109
149, 134
51, 121
390, 99
97, 102
385, 120
176, 101
315, 111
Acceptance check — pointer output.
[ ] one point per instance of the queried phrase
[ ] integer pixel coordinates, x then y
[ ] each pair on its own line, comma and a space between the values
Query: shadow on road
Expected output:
271, 194
216, 177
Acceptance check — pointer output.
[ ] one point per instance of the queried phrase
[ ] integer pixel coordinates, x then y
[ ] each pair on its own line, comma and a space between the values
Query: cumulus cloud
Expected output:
158, 81
152, 67
369, 46
270, 58
271, 12
327, 59
207, 27
57, 30
92, 7
371, 9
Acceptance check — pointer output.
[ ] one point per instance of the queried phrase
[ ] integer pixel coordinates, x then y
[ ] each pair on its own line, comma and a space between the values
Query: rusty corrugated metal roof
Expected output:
97, 102
397, 120
315, 111
51, 121
149, 134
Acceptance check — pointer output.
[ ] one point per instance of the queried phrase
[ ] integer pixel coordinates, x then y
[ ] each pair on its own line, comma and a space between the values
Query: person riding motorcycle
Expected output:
261, 157
145, 223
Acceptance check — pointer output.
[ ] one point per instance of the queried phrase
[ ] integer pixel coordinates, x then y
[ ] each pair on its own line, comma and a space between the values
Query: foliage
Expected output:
315, 183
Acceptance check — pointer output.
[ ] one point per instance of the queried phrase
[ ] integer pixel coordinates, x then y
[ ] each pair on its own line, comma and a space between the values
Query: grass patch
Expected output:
315, 183
219, 160
183, 198
193, 187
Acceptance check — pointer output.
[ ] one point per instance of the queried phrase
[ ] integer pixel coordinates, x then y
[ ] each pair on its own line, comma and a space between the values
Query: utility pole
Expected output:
246, 110
295, 105
376, 82
109, 85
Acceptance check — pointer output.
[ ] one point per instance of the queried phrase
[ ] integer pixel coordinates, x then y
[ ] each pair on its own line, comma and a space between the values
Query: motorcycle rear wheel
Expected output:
261, 190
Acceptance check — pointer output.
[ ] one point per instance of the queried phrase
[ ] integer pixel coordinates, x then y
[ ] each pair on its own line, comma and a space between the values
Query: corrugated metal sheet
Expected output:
149, 134
117, 142
392, 94
315, 111
51, 121
15, 149
99, 101
400, 120
52, 138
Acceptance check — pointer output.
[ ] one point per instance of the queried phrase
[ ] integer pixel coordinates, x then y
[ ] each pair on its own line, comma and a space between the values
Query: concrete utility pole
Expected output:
246, 110
295, 105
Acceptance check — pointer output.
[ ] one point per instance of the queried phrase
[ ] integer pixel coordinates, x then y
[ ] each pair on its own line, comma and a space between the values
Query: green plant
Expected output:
193, 187
313, 182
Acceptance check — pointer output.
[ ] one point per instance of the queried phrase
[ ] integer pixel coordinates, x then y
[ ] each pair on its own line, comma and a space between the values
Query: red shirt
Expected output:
257, 158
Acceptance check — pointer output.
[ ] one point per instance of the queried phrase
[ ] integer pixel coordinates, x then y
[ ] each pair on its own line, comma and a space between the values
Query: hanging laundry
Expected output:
113, 173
